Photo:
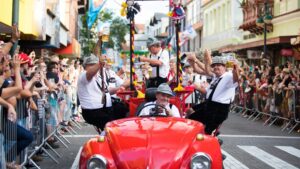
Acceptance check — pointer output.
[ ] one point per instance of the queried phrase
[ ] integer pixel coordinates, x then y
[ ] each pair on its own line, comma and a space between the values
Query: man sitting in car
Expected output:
162, 106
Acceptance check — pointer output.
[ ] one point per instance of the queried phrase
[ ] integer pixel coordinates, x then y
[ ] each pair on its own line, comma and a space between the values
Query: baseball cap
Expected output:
165, 88
92, 59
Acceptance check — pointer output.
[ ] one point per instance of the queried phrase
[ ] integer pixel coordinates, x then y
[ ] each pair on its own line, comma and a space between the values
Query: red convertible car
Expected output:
152, 142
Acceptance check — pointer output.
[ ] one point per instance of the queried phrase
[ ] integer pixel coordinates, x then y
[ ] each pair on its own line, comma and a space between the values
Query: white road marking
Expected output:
80, 136
257, 136
231, 163
290, 150
76, 161
267, 158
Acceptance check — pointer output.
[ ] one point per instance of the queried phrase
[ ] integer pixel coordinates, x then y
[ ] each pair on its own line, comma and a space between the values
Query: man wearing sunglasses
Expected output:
219, 94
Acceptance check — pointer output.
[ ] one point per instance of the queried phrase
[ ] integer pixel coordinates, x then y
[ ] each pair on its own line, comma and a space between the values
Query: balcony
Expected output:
252, 10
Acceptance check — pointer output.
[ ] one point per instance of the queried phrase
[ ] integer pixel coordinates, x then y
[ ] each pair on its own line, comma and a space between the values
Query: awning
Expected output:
270, 41
72, 49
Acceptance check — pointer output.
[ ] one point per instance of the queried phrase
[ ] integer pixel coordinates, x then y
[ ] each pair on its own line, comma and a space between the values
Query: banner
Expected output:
95, 7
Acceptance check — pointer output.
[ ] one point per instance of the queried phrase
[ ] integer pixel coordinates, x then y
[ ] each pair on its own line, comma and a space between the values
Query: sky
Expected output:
148, 8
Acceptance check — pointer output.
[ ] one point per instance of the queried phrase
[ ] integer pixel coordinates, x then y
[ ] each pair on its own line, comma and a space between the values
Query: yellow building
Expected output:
284, 26
45, 23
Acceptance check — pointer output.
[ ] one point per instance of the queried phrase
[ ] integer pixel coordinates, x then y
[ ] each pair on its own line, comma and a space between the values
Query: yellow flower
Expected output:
124, 5
123, 12
170, 14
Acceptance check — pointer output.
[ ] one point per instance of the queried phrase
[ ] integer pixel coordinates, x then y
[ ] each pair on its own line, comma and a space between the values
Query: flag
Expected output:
95, 7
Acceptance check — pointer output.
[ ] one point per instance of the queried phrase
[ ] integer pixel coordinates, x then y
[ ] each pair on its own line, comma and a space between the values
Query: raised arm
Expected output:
14, 38
235, 72
196, 64
207, 62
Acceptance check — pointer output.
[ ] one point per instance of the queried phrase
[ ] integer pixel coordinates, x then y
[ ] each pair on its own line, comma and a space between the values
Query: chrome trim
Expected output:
201, 154
97, 156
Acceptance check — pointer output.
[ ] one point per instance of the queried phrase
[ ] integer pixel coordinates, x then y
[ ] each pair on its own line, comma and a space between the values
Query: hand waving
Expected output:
16, 61
11, 114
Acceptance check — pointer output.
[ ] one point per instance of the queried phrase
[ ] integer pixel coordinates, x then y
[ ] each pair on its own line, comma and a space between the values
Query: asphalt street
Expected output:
246, 144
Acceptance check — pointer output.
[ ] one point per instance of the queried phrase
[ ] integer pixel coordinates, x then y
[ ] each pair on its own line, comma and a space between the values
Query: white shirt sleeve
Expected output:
165, 57
82, 78
229, 80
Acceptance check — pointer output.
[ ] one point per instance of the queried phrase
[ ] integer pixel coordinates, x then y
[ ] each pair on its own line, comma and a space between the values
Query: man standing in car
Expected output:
159, 61
219, 94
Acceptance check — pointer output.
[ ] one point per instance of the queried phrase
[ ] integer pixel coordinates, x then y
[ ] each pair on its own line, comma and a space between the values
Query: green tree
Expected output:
87, 38
118, 29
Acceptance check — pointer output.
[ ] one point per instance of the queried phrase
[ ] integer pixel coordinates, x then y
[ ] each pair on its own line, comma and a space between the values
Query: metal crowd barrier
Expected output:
296, 112
242, 107
36, 123
2, 153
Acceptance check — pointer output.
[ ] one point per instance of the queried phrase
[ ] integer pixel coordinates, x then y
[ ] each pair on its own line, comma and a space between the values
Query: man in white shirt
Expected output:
94, 94
159, 61
163, 108
219, 94
120, 109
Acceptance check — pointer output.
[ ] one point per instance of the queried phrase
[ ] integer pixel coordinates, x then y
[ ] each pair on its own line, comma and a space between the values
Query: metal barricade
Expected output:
243, 104
34, 122
2, 153
296, 108
237, 105
258, 109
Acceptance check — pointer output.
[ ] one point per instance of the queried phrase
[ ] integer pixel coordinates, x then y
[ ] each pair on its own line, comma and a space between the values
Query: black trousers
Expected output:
98, 117
211, 114
155, 82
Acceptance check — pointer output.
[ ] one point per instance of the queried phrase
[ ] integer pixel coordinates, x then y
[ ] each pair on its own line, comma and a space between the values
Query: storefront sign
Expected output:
286, 52
254, 54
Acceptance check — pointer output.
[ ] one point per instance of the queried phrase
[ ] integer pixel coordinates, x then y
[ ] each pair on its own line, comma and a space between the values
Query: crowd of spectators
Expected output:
31, 86
271, 89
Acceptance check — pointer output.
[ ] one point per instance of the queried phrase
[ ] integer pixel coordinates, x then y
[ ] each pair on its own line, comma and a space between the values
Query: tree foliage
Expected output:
118, 29
87, 37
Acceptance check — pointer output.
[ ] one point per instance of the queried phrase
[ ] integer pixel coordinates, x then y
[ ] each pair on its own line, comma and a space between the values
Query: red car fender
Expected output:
96, 146
208, 145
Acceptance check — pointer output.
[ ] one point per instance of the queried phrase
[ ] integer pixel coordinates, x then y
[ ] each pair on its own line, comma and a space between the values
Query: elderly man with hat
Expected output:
163, 95
159, 61
94, 94
219, 95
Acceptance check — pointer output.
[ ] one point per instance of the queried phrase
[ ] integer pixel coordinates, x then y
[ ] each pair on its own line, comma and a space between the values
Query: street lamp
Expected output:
265, 19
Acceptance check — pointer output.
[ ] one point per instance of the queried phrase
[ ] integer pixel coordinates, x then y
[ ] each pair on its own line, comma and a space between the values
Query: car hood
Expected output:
151, 142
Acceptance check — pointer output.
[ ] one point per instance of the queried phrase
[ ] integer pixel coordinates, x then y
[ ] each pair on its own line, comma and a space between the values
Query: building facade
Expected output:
50, 25
220, 25
284, 26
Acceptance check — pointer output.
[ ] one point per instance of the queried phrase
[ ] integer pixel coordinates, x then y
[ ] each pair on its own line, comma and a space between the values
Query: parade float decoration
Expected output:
177, 13
130, 9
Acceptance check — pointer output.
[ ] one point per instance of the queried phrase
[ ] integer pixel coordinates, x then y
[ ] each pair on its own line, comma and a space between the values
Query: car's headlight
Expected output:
200, 161
97, 162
